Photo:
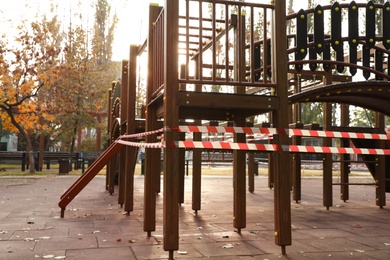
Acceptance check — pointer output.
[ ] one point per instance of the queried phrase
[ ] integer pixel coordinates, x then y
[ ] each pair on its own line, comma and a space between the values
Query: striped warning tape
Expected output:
258, 147
144, 145
339, 150
142, 134
281, 131
224, 146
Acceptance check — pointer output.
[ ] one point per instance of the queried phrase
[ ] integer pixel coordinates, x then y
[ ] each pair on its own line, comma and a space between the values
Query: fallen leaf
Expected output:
228, 246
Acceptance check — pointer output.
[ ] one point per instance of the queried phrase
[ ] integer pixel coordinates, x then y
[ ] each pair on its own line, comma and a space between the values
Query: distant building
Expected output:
9, 143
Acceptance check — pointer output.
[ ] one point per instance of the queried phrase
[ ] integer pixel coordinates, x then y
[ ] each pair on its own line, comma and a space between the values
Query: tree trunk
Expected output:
72, 144
25, 134
29, 152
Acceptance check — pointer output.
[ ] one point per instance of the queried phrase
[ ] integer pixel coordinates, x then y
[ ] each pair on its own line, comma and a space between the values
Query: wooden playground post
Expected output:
380, 165
131, 152
196, 154
123, 127
296, 167
282, 207
152, 169
345, 163
327, 158
239, 157
171, 118
108, 129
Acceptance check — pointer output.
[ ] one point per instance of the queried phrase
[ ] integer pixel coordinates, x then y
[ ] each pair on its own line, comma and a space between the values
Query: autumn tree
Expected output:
86, 73
28, 68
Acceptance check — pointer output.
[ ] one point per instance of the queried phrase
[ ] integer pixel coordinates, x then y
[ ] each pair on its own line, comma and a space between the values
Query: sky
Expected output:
133, 16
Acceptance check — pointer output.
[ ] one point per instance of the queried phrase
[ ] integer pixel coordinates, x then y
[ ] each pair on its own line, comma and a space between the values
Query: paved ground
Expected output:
95, 227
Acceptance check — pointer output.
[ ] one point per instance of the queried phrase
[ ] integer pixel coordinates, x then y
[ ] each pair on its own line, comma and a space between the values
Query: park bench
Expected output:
58, 157
14, 156
89, 158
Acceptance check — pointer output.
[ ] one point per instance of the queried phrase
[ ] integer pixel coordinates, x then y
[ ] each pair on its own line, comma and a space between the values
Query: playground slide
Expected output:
370, 159
89, 174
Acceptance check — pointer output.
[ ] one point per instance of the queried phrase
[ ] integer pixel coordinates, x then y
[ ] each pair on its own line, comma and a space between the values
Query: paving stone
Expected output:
96, 227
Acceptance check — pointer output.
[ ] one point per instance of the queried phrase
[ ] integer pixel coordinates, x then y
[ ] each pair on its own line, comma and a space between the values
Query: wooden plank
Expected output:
227, 101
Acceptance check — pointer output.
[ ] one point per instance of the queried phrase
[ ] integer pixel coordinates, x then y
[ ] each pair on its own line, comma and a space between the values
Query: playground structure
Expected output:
240, 62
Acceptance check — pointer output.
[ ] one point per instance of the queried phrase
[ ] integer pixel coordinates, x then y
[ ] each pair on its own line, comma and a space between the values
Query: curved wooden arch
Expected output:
374, 95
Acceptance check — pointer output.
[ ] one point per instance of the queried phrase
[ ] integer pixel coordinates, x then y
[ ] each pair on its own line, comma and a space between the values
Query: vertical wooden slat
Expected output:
251, 47
265, 48
227, 43
214, 41
200, 54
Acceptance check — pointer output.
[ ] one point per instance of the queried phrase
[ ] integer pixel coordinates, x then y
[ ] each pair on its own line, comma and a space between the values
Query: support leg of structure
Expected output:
196, 175
171, 198
122, 172
181, 170
131, 154
344, 172
251, 172
380, 172
282, 200
112, 172
62, 212
171, 254
151, 155
296, 168
271, 171
239, 186
327, 180
297, 187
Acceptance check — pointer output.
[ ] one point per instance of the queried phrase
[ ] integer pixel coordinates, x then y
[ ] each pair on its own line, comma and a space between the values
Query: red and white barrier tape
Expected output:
143, 134
258, 147
224, 146
337, 150
281, 131
144, 145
